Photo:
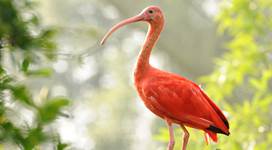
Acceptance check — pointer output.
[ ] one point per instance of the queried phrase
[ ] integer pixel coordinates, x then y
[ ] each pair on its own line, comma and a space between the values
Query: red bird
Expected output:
170, 96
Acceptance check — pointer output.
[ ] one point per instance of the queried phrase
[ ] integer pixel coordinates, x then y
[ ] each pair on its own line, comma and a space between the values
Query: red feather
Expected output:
179, 99
170, 96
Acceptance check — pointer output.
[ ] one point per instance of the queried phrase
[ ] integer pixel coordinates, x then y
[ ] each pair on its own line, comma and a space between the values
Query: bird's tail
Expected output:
210, 134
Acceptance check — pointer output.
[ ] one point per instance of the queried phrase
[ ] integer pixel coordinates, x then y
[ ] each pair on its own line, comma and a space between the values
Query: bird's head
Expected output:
152, 14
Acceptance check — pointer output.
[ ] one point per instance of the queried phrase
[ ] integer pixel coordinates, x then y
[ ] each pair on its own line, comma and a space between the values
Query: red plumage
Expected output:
181, 101
170, 96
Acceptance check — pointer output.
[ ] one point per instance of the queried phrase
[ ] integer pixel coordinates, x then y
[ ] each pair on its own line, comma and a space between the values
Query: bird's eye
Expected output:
150, 11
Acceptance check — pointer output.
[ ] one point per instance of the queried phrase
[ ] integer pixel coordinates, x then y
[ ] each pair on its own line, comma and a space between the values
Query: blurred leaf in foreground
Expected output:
26, 43
51, 109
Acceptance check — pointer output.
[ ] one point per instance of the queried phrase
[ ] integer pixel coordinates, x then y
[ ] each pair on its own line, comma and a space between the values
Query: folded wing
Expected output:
183, 101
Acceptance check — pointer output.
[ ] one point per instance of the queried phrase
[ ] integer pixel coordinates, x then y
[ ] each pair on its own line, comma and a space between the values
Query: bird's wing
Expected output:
216, 108
184, 101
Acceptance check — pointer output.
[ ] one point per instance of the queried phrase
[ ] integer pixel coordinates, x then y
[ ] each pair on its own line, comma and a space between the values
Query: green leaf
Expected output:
51, 109
25, 65
61, 146
21, 93
44, 72
35, 136
48, 33
2, 70
9, 131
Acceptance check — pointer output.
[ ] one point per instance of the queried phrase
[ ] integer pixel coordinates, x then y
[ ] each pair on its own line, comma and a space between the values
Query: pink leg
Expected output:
185, 137
171, 133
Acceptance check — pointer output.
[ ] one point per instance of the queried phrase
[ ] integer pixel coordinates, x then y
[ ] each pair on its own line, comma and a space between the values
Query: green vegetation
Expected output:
26, 43
241, 81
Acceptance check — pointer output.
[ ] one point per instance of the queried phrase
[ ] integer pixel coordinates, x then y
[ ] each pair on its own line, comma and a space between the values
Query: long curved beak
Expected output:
120, 24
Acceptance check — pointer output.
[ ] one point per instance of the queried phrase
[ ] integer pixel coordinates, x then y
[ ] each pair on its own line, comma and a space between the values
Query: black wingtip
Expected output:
217, 130
226, 123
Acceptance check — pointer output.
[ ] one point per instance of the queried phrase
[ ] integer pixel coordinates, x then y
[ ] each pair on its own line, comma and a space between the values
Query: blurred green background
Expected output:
60, 90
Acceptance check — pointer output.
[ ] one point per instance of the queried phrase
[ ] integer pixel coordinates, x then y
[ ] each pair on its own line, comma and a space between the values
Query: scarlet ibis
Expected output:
170, 96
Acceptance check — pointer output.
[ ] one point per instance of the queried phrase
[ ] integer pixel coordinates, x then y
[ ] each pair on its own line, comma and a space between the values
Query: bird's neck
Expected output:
152, 36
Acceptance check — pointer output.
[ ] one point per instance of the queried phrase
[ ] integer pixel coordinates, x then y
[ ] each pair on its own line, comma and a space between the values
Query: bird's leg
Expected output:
171, 134
185, 137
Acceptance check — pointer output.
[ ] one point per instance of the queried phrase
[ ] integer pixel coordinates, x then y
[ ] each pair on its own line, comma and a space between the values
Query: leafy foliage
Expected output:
50, 110
242, 79
25, 41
